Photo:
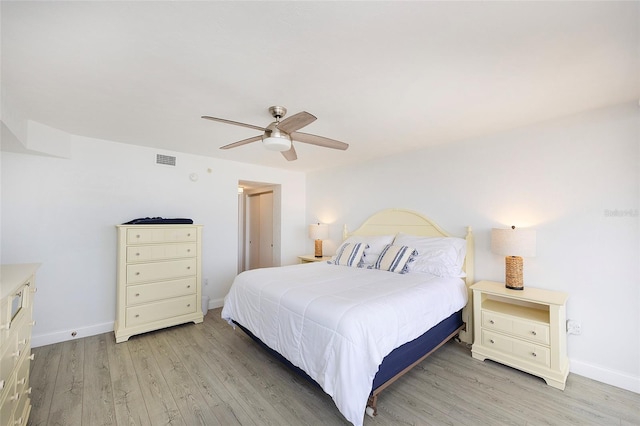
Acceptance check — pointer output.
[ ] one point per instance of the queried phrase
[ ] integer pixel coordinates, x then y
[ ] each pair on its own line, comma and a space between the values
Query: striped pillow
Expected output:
394, 258
349, 254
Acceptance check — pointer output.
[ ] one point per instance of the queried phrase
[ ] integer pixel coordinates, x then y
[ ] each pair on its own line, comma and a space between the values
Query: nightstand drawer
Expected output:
510, 346
529, 330
497, 341
532, 353
497, 322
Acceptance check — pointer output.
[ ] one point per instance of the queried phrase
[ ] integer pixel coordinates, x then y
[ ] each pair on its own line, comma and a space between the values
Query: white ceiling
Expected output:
382, 76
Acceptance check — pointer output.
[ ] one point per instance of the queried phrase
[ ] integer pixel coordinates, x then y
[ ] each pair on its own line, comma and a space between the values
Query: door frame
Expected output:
254, 188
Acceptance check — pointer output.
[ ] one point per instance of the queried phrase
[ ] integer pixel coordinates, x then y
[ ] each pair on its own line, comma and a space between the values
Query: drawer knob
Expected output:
17, 354
1, 384
188, 250
188, 305
14, 397
491, 322
137, 315
138, 236
534, 333
492, 341
137, 254
534, 354
188, 267
189, 286
22, 381
32, 323
188, 235
137, 273
28, 391
32, 357
22, 341
137, 294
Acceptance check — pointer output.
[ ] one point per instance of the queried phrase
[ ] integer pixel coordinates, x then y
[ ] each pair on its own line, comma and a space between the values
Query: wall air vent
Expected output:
167, 160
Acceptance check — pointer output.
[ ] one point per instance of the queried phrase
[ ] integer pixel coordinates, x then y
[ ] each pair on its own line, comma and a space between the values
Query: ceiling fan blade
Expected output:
236, 123
290, 154
242, 142
296, 121
318, 140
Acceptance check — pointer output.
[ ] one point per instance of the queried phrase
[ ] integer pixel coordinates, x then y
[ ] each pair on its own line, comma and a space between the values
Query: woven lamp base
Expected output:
513, 273
318, 248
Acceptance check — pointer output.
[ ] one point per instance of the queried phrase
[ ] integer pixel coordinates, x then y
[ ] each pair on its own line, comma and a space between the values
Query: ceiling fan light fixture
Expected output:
277, 143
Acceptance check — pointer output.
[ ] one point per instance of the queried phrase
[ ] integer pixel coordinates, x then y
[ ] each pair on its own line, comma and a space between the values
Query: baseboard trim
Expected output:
216, 303
38, 340
591, 371
610, 377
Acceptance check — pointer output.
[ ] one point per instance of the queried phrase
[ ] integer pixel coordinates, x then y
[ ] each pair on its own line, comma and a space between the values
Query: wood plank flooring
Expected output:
211, 374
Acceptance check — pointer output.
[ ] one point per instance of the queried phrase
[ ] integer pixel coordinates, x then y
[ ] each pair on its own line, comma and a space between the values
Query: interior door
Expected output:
260, 230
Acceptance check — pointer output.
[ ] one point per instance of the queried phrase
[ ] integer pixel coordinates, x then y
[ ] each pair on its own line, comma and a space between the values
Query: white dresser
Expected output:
159, 277
17, 285
524, 329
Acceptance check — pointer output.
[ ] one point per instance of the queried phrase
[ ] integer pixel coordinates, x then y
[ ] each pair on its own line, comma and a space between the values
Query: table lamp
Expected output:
514, 244
318, 232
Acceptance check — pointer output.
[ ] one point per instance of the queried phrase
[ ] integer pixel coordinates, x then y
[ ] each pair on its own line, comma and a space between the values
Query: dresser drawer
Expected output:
8, 358
160, 252
161, 235
22, 376
137, 273
156, 311
7, 404
144, 293
530, 330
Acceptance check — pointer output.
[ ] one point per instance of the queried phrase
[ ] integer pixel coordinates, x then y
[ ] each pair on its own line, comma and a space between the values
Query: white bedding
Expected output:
337, 323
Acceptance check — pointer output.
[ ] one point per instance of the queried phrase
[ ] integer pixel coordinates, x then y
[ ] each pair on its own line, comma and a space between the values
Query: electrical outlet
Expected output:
574, 327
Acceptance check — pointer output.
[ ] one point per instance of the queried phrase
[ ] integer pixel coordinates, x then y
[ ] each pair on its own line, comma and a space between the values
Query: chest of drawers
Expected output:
524, 329
158, 277
17, 286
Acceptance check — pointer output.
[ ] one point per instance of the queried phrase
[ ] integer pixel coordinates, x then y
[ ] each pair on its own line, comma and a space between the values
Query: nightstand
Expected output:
524, 329
309, 258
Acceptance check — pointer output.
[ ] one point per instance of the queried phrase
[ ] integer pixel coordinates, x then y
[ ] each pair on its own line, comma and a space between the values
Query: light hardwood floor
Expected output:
211, 374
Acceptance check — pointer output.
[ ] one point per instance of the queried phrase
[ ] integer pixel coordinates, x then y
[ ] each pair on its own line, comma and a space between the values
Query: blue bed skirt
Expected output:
399, 359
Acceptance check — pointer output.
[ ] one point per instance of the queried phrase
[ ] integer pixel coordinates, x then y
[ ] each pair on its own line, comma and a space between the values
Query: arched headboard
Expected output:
393, 221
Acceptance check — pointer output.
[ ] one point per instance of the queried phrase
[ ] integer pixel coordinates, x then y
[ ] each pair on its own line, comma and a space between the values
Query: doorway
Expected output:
258, 225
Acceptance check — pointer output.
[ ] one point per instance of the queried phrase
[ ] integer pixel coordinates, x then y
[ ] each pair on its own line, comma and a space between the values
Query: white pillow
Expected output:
375, 245
394, 258
349, 254
441, 256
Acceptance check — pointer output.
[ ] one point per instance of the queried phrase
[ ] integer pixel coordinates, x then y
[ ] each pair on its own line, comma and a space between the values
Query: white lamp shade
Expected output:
277, 143
319, 231
513, 242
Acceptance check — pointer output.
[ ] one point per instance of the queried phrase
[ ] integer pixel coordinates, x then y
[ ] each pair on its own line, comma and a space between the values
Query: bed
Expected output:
354, 328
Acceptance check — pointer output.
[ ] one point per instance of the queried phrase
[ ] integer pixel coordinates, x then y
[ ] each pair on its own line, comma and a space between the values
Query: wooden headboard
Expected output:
393, 221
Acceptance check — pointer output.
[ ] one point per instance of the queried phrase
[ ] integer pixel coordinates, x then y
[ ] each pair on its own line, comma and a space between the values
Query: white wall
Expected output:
62, 213
561, 178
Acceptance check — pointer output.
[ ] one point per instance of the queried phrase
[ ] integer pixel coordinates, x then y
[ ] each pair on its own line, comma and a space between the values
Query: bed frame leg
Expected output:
372, 406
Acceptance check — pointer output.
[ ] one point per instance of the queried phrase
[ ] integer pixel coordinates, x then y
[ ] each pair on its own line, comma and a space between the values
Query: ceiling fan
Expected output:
279, 135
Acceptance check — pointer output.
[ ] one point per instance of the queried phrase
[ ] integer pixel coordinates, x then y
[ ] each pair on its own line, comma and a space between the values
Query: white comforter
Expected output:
337, 323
